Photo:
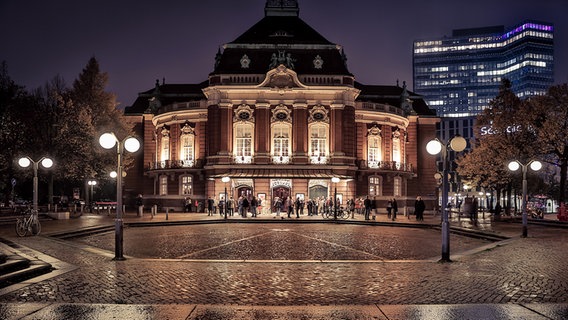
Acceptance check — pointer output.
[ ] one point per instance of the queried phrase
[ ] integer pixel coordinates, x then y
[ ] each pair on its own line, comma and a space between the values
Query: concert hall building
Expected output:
280, 115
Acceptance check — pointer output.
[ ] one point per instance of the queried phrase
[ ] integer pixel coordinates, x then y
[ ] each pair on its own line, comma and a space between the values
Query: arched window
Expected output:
318, 148
243, 133
374, 147
375, 186
187, 140
186, 185
163, 180
281, 135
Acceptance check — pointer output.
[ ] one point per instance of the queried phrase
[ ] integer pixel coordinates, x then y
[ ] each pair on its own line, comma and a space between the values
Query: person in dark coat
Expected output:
394, 208
419, 208
367, 205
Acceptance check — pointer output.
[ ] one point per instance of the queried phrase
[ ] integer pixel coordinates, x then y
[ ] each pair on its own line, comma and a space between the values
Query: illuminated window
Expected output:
186, 187
397, 186
374, 147
165, 145
187, 140
163, 185
375, 186
281, 133
318, 143
243, 142
396, 147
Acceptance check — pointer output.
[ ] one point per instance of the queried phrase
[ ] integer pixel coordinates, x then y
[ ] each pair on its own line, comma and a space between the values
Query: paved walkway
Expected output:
518, 278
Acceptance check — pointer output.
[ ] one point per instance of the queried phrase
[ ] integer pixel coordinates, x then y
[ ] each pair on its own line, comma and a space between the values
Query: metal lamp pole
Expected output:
45, 162
225, 180
535, 166
335, 180
457, 143
131, 144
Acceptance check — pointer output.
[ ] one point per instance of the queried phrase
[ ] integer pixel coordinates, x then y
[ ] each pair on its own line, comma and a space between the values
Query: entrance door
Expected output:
281, 193
245, 192
317, 191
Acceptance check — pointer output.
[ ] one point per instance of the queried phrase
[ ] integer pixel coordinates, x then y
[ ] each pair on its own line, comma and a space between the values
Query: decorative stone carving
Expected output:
243, 113
281, 114
245, 62
318, 62
318, 114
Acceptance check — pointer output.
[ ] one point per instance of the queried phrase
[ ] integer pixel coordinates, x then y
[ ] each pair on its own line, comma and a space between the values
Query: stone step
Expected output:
17, 269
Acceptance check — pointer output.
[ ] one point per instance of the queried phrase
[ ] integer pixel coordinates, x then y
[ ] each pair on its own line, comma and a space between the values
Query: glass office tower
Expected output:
459, 75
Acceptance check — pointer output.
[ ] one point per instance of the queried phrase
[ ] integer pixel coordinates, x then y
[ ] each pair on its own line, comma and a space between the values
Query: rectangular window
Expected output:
186, 185
165, 148
375, 186
163, 185
397, 186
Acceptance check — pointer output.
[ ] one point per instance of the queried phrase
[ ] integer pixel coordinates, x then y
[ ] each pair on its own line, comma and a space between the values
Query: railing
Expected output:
387, 165
175, 164
382, 107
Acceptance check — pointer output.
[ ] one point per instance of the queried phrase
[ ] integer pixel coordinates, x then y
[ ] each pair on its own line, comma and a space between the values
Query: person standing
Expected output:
419, 208
394, 205
389, 208
253, 206
367, 206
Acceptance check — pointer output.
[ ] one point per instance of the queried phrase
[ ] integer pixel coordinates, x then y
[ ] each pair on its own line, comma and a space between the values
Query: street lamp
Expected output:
131, 144
434, 147
225, 180
25, 162
91, 183
335, 180
535, 166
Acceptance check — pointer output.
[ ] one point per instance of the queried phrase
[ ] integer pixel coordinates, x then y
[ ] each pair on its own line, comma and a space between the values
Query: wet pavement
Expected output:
292, 269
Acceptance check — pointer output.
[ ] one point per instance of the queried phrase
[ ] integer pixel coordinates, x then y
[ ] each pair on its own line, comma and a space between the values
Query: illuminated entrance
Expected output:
318, 188
281, 190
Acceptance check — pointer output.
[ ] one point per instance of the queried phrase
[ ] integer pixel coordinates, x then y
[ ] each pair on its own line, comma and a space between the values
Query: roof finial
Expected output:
281, 8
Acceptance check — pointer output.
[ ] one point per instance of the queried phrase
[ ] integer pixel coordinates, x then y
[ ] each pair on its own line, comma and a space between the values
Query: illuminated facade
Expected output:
280, 115
459, 75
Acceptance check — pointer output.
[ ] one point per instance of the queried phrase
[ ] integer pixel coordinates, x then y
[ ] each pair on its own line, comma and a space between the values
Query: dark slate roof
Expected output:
168, 94
281, 30
392, 95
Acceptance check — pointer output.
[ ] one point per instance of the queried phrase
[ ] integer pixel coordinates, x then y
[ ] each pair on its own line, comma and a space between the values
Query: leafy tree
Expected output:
510, 135
551, 121
16, 114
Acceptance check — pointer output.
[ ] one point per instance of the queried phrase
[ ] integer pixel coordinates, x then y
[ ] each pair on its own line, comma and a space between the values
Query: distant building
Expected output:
459, 75
281, 115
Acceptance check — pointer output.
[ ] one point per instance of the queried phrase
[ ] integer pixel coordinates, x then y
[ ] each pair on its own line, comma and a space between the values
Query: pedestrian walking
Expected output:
289, 205
419, 208
389, 209
187, 204
394, 206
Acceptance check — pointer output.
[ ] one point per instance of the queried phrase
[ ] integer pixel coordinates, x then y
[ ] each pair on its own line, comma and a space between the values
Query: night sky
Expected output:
137, 42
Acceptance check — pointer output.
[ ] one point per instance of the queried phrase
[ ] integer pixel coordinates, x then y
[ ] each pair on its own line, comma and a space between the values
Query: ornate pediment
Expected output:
282, 78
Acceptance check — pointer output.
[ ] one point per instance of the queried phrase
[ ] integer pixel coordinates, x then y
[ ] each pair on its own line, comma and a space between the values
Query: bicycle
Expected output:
342, 213
29, 222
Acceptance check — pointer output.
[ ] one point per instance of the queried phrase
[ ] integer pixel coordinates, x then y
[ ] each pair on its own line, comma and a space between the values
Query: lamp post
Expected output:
25, 162
225, 180
535, 166
131, 144
335, 180
434, 147
91, 183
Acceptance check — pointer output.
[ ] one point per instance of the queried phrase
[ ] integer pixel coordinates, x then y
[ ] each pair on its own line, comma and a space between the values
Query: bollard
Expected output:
108, 211
154, 210
140, 211
55, 208
167, 212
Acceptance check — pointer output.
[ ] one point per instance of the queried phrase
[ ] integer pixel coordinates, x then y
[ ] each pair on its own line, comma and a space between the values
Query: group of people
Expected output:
243, 206
289, 206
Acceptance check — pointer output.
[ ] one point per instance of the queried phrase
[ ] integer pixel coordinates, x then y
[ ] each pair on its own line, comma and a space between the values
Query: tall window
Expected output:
186, 187
165, 145
397, 186
396, 151
318, 143
163, 185
281, 143
243, 143
187, 139
375, 186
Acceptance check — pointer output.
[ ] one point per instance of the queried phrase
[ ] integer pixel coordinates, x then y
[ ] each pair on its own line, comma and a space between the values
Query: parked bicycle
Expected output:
342, 213
28, 223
